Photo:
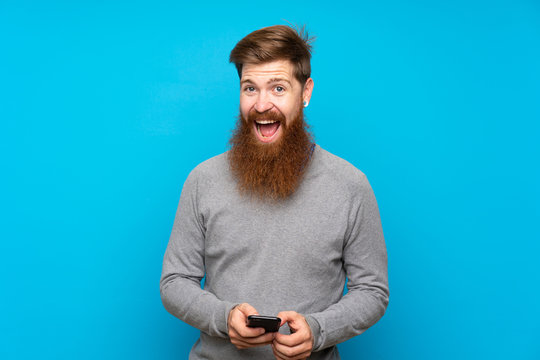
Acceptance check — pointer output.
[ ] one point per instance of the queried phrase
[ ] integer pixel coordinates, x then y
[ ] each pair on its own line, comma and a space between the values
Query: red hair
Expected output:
278, 42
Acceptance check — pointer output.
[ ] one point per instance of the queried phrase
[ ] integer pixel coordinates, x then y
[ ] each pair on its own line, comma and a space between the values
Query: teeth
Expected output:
265, 121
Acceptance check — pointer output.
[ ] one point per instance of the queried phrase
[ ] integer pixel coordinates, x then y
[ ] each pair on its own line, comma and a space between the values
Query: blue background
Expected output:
105, 107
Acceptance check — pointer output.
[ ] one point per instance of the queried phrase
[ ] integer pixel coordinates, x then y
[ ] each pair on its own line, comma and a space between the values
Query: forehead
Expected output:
273, 69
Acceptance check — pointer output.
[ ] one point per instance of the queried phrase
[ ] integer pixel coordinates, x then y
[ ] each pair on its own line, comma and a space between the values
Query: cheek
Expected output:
292, 110
245, 106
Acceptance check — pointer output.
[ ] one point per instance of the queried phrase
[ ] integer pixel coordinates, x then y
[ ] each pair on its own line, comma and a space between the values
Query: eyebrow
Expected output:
273, 80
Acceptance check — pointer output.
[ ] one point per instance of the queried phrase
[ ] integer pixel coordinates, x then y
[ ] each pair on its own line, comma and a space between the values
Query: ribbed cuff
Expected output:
315, 331
224, 326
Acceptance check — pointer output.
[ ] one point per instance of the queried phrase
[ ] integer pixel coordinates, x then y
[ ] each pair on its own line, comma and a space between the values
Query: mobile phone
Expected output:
269, 323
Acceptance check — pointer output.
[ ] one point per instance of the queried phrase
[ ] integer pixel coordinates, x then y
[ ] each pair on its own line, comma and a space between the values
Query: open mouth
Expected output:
267, 129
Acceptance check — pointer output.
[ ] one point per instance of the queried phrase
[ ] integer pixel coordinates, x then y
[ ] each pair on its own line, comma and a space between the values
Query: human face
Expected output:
270, 96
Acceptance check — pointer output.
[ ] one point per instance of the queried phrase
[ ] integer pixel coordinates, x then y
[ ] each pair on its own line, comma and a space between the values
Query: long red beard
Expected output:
270, 171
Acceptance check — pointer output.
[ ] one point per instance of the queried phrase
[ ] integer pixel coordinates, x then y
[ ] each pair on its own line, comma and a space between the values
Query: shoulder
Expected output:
209, 171
341, 172
215, 166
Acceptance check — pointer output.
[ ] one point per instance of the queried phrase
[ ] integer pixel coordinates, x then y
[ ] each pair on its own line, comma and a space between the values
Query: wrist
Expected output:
229, 315
315, 329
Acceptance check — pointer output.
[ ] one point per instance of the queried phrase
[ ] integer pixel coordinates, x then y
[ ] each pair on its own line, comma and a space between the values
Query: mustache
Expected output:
254, 115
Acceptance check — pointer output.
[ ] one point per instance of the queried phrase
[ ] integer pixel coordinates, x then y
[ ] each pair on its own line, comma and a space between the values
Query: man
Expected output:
276, 224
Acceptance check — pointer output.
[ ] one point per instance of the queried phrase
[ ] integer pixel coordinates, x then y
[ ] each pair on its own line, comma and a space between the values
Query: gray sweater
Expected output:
293, 255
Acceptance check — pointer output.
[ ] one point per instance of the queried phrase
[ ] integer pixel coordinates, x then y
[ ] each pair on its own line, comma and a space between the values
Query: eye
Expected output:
279, 89
249, 89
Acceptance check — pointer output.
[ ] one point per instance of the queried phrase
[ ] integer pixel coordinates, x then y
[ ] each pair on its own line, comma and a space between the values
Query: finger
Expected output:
248, 332
297, 357
293, 358
265, 339
277, 356
260, 337
299, 327
294, 319
240, 329
292, 351
294, 339
238, 322
239, 343
247, 309
286, 316
290, 354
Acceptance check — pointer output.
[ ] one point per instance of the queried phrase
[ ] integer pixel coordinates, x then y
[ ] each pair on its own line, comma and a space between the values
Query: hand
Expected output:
299, 344
244, 337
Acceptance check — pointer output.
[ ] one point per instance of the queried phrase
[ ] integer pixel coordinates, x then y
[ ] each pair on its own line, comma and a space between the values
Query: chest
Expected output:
307, 230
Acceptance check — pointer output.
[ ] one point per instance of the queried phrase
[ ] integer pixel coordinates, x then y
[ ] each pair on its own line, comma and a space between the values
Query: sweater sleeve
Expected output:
183, 270
365, 263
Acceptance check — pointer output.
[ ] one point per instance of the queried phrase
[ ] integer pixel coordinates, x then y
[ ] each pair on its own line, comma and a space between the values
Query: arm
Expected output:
183, 269
365, 262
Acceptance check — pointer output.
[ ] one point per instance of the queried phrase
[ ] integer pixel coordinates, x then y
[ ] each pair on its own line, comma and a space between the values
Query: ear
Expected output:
308, 89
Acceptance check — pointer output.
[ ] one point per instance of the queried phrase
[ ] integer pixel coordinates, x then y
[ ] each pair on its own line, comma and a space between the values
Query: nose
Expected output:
263, 102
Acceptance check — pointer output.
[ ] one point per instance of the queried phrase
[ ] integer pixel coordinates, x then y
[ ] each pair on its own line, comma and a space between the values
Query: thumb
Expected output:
291, 317
247, 309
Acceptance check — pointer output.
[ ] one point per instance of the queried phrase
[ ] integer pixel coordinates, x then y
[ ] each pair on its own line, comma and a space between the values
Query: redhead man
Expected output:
277, 225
